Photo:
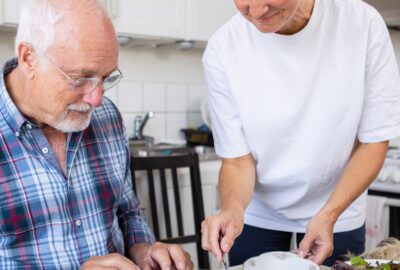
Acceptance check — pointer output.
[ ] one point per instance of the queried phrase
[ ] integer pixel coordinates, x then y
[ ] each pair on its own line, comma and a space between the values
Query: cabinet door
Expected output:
207, 16
9, 11
154, 18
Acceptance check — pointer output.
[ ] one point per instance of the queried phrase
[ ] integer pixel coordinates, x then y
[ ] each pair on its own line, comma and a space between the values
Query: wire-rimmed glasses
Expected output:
85, 85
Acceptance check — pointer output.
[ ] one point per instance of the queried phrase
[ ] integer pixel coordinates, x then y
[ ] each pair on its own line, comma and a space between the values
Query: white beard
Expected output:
68, 124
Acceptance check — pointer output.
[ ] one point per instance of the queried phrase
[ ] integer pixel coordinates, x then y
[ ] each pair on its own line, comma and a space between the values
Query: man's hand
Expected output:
317, 243
161, 256
220, 231
113, 261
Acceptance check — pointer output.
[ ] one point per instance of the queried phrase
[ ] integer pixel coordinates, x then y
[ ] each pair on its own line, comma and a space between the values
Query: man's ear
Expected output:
27, 59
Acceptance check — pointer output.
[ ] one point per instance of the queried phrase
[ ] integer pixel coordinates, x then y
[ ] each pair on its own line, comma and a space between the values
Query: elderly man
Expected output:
66, 199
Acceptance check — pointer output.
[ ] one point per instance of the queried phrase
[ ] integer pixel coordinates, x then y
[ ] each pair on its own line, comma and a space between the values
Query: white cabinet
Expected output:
178, 19
207, 16
10, 11
154, 18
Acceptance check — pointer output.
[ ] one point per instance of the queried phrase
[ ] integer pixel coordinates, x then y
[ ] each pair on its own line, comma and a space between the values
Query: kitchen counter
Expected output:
206, 153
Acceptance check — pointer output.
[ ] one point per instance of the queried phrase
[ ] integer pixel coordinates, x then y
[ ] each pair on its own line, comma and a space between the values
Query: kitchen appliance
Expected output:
387, 185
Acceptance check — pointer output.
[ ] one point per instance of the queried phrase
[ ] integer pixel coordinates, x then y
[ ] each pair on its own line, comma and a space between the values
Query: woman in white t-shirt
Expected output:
304, 96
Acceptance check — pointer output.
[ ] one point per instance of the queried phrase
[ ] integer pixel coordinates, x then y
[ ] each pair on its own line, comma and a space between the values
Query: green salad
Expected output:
358, 263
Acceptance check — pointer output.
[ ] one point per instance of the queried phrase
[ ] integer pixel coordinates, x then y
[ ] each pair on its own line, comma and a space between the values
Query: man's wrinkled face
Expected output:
268, 16
80, 55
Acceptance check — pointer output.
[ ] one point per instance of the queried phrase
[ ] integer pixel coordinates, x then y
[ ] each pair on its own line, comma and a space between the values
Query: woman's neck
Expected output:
299, 19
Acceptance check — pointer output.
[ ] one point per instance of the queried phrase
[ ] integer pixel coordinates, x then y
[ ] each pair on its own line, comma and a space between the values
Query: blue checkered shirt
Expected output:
52, 221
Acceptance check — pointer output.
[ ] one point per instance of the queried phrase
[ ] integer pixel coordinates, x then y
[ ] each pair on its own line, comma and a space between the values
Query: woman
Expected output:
304, 96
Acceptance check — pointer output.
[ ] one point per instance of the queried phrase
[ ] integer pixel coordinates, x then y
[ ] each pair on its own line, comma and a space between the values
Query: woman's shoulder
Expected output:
356, 9
232, 29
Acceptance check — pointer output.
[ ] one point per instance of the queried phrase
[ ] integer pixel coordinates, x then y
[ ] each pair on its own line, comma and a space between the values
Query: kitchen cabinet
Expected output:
10, 11
177, 19
155, 19
150, 18
207, 16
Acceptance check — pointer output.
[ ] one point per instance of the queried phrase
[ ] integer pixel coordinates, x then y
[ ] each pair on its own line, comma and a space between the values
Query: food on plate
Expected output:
358, 263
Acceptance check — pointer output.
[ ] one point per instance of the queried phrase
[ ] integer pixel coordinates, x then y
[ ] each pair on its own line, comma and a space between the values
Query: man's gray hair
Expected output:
39, 18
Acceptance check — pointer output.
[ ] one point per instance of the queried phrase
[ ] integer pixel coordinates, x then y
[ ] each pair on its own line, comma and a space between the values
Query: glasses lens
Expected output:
85, 85
112, 80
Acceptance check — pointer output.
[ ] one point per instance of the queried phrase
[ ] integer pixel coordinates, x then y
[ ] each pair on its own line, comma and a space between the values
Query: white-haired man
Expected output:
66, 199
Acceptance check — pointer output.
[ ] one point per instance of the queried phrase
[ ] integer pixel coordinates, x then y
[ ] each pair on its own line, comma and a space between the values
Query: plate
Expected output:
373, 262
279, 260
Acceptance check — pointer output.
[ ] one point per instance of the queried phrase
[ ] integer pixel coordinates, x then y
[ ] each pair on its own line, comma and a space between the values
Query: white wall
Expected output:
164, 80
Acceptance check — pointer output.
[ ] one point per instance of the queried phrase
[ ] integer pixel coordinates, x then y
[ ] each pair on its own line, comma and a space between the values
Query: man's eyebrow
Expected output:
88, 72
81, 72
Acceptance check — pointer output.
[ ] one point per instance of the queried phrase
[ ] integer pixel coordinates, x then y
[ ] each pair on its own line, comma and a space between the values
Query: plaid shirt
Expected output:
52, 221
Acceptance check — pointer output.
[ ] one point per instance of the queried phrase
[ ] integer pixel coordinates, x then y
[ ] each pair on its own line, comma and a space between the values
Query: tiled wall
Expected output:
164, 80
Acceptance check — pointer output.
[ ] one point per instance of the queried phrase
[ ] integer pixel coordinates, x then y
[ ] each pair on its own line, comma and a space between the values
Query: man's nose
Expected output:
95, 97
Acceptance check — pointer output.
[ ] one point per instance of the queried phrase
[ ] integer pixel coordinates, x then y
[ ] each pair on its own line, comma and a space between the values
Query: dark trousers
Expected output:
254, 241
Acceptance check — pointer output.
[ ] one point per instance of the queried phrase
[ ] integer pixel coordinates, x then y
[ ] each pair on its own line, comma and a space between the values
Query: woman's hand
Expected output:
220, 231
317, 243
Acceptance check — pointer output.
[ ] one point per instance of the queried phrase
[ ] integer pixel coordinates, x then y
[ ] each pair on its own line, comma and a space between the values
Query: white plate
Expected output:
279, 260
373, 262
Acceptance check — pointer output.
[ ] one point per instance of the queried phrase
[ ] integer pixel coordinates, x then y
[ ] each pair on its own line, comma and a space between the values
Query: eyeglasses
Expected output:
87, 85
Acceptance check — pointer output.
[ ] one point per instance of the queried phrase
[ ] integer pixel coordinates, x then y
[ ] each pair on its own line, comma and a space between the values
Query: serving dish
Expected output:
279, 260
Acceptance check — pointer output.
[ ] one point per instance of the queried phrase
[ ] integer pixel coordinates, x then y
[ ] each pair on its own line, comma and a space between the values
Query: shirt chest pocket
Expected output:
27, 204
16, 218
107, 178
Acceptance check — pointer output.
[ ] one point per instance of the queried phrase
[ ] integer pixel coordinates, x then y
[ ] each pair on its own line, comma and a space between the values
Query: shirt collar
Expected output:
8, 109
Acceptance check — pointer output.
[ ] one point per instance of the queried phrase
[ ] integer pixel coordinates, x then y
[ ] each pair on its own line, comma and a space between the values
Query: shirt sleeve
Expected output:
380, 120
132, 220
229, 137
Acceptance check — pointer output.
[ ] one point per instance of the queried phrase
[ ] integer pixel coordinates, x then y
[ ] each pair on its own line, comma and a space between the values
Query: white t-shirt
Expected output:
297, 103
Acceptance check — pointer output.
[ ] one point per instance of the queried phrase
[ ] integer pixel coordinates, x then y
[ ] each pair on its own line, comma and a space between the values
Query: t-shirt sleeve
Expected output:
229, 138
380, 120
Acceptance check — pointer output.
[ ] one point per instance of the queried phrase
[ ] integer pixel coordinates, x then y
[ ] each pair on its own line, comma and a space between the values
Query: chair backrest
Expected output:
161, 165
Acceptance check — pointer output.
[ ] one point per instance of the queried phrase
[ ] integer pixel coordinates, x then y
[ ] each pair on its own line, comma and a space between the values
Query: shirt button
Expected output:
29, 126
78, 222
17, 133
45, 150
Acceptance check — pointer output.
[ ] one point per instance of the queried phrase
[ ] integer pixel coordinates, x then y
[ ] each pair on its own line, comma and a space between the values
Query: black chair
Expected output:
162, 164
